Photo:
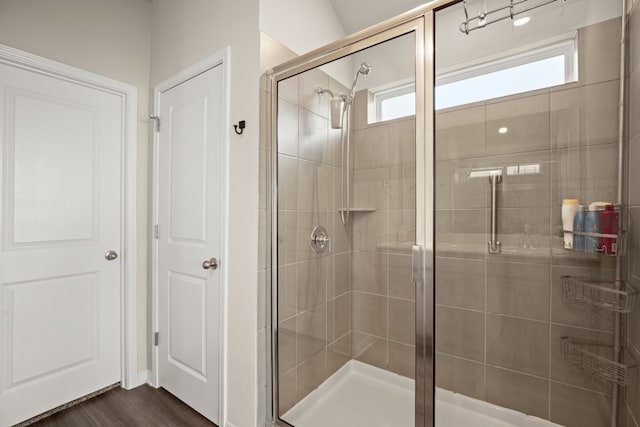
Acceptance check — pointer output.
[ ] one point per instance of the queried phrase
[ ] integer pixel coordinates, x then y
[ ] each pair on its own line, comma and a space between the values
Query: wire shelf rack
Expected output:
596, 358
600, 294
615, 246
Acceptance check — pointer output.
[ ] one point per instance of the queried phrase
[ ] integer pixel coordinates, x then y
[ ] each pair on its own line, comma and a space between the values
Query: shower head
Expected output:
365, 69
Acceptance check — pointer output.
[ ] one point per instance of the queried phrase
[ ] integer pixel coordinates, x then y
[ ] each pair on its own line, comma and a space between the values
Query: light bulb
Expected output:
521, 21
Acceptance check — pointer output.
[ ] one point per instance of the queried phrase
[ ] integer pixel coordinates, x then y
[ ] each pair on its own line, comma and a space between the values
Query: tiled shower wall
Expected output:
314, 288
499, 318
356, 300
383, 186
271, 53
633, 254
323, 322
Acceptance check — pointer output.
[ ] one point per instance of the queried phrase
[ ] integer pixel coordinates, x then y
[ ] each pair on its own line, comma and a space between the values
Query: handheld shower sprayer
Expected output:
364, 69
340, 101
341, 119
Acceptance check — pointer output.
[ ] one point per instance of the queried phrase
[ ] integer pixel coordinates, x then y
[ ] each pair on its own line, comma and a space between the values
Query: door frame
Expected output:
221, 58
128, 94
421, 21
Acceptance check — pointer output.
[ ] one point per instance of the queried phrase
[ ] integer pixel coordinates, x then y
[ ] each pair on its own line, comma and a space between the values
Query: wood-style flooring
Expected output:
142, 406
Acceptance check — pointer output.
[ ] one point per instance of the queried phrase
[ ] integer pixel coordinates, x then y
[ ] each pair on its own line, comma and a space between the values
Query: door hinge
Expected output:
156, 231
156, 338
157, 120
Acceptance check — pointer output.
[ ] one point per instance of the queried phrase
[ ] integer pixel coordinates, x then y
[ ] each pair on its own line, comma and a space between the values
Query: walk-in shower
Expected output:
340, 112
439, 291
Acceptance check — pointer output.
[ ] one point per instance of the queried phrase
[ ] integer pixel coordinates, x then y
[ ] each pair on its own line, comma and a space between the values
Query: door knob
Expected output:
210, 264
111, 255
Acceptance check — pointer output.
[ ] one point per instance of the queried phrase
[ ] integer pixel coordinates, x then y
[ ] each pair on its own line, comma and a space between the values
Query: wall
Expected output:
499, 318
633, 202
383, 301
283, 19
337, 305
111, 38
314, 290
552, 20
272, 53
183, 33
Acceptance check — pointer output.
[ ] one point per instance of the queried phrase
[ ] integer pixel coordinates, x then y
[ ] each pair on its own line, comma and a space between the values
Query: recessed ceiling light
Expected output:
521, 21
503, 130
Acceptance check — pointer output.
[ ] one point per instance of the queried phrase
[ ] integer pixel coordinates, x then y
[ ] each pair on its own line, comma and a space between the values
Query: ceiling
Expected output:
357, 15
456, 49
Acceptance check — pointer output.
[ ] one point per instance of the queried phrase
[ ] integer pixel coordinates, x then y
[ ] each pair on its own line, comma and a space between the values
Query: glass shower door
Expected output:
345, 214
526, 118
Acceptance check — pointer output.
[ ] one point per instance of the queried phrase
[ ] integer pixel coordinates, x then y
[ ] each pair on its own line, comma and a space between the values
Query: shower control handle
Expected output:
320, 240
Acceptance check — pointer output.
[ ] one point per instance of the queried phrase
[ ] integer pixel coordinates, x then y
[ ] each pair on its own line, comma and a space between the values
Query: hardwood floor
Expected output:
142, 406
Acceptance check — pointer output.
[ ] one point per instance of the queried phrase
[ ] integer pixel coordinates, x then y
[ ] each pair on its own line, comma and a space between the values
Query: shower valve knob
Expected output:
320, 239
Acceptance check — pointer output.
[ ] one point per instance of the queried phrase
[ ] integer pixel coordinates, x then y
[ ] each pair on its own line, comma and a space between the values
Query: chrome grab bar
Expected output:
494, 244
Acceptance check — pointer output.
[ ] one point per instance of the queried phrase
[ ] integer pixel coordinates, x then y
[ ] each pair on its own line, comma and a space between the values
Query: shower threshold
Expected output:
359, 394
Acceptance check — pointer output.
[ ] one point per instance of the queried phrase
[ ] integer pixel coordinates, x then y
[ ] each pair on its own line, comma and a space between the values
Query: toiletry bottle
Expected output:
592, 227
578, 227
609, 223
569, 209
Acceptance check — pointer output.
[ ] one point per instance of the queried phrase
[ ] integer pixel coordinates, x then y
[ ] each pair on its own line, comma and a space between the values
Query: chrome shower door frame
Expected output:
420, 22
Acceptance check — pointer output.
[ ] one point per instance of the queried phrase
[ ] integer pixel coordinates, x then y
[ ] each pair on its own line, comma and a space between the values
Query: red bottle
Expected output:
609, 223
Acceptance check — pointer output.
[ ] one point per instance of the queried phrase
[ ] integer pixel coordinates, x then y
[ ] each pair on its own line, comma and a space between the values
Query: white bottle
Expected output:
569, 209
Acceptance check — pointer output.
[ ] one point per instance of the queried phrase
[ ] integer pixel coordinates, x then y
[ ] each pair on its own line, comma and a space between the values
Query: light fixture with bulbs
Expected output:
503, 130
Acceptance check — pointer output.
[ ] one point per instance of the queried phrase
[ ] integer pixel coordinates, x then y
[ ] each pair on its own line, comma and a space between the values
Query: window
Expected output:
551, 64
547, 64
399, 101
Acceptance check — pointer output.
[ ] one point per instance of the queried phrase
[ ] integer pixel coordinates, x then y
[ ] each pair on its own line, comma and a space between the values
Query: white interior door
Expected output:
190, 207
60, 214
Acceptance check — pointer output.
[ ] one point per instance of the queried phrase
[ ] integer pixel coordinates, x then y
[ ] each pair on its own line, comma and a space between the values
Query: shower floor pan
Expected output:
363, 395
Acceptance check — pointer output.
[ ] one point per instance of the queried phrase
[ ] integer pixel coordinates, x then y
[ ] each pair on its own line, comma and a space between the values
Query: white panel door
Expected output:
190, 191
60, 213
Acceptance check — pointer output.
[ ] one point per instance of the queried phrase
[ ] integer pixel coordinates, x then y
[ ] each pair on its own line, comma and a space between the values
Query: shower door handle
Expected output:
417, 269
494, 244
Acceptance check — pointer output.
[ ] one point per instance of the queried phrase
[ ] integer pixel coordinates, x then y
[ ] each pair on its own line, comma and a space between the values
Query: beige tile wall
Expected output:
383, 301
356, 301
633, 201
315, 295
499, 318
271, 53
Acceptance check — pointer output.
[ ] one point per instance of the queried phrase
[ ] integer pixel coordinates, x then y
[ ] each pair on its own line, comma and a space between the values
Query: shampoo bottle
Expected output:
609, 223
578, 229
569, 209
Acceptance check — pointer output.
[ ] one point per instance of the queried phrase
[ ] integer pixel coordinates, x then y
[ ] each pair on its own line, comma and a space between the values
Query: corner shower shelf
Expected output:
354, 210
600, 294
618, 241
595, 358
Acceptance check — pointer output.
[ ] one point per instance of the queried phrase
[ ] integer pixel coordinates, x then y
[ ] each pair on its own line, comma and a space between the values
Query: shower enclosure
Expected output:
346, 223
419, 271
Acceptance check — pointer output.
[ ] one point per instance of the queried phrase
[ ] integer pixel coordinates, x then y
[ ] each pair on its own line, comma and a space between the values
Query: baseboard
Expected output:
228, 424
